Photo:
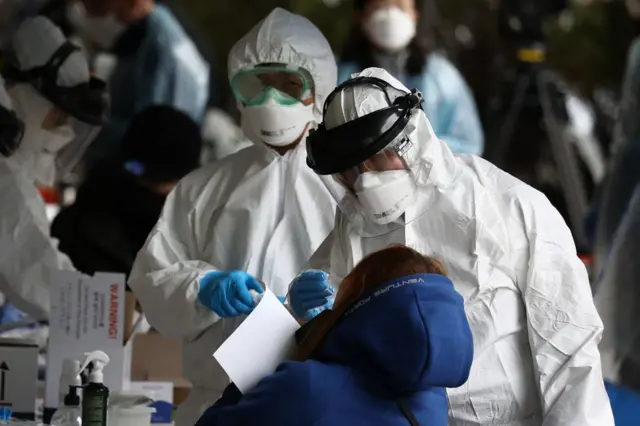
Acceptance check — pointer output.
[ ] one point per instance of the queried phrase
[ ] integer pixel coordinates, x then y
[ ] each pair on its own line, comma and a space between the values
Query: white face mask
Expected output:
278, 125
103, 30
390, 28
37, 151
385, 195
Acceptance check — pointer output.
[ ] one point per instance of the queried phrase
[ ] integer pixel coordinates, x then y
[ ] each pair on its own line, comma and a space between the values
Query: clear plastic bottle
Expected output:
70, 377
70, 413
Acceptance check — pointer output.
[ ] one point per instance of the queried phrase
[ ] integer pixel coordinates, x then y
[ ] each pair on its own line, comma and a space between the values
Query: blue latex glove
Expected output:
311, 294
227, 292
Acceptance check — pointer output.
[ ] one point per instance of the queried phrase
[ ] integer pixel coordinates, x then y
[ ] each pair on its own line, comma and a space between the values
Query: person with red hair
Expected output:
397, 335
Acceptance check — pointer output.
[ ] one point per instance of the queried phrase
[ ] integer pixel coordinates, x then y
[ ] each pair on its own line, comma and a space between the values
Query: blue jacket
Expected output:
448, 103
158, 64
406, 341
625, 404
623, 172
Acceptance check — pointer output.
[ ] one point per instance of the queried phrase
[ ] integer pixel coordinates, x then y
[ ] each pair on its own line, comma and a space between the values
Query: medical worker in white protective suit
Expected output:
62, 109
258, 214
507, 250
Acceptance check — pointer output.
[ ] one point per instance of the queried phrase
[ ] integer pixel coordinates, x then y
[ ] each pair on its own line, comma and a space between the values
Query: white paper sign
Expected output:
87, 314
259, 344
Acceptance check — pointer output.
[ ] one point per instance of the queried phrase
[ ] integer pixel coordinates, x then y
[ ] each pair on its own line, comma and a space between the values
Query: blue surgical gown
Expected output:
157, 64
448, 103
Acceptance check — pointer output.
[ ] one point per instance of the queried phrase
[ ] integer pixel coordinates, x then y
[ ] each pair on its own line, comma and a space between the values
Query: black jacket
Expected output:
109, 222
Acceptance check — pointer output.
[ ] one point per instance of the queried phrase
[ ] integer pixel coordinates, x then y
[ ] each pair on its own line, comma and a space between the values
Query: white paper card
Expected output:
263, 340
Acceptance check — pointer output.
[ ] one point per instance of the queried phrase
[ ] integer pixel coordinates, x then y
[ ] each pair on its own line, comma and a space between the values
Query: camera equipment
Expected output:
522, 20
530, 126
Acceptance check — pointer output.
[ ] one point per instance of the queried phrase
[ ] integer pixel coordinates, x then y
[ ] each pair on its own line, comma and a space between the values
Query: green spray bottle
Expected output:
95, 396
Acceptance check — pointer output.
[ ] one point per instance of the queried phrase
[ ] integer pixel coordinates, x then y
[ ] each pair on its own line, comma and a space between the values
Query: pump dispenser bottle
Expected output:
69, 414
69, 377
95, 397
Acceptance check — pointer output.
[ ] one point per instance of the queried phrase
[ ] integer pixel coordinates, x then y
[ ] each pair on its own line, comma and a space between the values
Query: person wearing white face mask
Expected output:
156, 63
388, 34
256, 215
62, 109
507, 251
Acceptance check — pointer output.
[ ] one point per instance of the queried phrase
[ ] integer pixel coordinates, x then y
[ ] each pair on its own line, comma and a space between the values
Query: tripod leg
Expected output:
571, 180
506, 130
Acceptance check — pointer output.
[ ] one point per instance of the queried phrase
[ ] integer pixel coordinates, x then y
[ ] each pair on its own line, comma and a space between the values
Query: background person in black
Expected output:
120, 201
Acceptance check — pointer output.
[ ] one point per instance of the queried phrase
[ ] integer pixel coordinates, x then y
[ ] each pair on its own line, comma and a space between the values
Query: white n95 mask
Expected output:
390, 28
278, 125
385, 196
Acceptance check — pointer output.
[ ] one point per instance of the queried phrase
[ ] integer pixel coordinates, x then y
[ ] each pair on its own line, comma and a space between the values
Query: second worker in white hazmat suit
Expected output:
62, 107
258, 214
506, 249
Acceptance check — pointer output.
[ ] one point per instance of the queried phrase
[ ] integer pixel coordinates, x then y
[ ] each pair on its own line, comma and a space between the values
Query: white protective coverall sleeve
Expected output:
321, 259
330, 257
28, 254
563, 324
164, 279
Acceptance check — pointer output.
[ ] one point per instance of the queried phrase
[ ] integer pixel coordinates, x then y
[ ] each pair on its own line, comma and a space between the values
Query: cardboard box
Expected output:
19, 377
88, 314
158, 359
181, 389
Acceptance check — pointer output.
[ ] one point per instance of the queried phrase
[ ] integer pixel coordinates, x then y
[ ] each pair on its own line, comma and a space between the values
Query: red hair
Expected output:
373, 271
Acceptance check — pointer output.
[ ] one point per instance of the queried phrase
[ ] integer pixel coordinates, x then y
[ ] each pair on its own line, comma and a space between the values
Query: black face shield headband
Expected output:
348, 145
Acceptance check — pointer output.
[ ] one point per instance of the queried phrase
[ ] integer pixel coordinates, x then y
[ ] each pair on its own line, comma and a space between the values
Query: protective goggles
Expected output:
287, 85
87, 102
367, 143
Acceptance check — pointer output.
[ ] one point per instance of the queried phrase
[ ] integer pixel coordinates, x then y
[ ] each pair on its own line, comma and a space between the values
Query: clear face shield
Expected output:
69, 156
380, 188
371, 165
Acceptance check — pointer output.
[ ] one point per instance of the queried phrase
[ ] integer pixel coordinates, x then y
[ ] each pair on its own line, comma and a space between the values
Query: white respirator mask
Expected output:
278, 125
385, 196
390, 28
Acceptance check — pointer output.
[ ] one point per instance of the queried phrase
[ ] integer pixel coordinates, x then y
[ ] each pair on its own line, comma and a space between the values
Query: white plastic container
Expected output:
135, 416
